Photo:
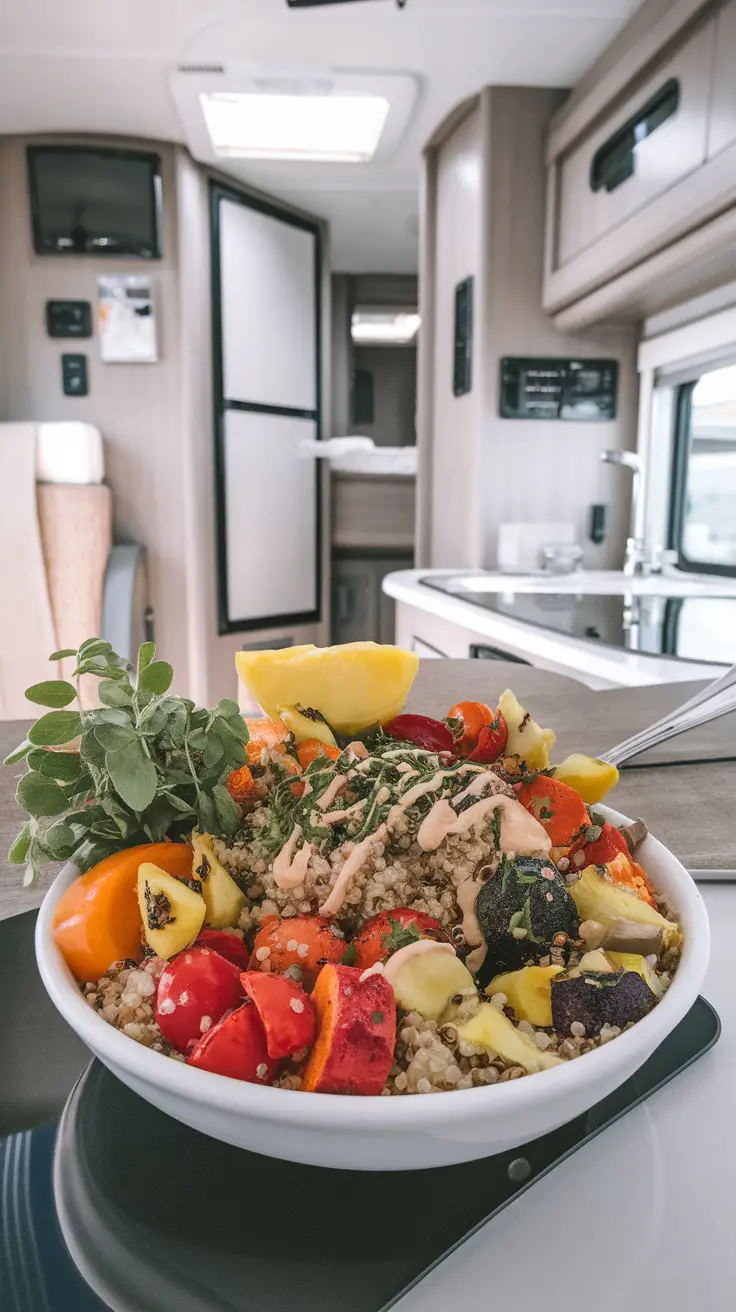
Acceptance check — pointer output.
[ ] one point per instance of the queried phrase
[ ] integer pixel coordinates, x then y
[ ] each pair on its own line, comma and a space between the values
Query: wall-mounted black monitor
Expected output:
86, 200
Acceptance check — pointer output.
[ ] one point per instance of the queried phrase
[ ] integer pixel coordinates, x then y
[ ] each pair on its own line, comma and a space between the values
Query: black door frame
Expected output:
218, 193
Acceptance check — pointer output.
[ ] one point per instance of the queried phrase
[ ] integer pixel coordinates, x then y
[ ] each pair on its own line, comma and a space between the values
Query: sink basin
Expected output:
599, 582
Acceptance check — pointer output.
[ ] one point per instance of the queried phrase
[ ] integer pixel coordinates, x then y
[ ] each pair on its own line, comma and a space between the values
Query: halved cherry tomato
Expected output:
557, 806
385, 933
241, 785
308, 942
194, 991
432, 735
236, 1047
228, 945
310, 750
465, 722
287, 1014
492, 741
601, 850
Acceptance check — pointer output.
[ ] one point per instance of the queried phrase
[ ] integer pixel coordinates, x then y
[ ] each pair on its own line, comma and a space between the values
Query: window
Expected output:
703, 522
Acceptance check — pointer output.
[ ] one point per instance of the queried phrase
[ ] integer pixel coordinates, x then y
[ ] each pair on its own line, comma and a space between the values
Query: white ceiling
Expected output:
87, 66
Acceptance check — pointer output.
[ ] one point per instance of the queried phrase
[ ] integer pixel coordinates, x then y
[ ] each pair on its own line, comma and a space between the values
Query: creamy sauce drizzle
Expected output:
466, 895
520, 832
412, 795
336, 817
290, 866
479, 785
351, 867
331, 792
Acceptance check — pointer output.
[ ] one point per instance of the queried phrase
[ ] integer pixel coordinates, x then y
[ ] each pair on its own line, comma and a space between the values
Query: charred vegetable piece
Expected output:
465, 721
236, 1048
593, 1000
529, 992
228, 945
556, 806
491, 1029
634, 961
432, 735
306, 942
522, 909
597, 898
172, 912
286, 1013
194, 992
223, 899
354, 1051
526, 739
427, 980
492, 741
389, 931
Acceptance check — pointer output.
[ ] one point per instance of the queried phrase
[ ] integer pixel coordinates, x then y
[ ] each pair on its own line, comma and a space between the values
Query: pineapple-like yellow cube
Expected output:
588, 776
526, 738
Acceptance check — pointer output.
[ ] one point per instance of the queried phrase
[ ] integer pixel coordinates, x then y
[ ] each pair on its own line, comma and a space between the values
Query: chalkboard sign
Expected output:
558, 389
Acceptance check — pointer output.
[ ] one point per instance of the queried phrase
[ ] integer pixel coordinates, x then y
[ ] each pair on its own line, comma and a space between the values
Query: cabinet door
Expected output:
723, 107
652, 141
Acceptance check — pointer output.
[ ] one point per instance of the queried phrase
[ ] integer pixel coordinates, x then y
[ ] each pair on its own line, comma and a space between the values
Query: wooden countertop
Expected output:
689, 806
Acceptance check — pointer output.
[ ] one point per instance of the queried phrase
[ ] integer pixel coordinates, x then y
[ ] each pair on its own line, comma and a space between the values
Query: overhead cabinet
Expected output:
657, 163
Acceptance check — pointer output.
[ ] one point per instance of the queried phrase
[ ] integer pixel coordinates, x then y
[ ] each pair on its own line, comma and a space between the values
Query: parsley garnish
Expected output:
399, 936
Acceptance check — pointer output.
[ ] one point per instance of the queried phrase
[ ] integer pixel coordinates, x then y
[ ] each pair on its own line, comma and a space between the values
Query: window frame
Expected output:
682, 451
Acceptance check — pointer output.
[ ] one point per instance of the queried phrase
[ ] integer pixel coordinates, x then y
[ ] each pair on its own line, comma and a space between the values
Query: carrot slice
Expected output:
557, 806
98, 920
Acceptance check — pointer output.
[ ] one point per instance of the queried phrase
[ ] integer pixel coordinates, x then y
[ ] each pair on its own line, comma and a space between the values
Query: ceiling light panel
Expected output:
293, 116
340, 126
384, 329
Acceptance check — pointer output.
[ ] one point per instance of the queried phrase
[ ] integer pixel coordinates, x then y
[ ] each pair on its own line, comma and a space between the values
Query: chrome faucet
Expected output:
636, 560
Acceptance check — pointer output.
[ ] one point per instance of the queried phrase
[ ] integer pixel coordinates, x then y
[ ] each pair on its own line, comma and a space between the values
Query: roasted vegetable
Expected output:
529, 992
227, 944
522, 910
465, 721
526, 739
592, 778
382, 935
431, 735
314, 748
194, 992
286, 1013
632, 936
491, 1029
98, 920
236, 1047
303, 942
596, 999
356, 1033
634, 961
556, 806
223, 900
426, 979
598, 899
172, 911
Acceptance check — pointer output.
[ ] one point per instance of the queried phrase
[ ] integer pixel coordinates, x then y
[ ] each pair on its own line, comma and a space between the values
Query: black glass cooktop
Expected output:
689, 628
116, 1206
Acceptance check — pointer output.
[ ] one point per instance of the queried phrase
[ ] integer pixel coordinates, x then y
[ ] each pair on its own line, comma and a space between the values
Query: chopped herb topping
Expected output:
378, 1018
349, 956
203, 869
399, 936
158, 909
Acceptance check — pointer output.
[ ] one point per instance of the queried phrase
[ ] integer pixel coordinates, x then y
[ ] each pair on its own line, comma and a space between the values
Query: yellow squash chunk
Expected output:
597, 899
529, 992
223, 900
640, 966
306, 730
526, 738
489, 1028
426, 981
172, 912
588, 776
353, 686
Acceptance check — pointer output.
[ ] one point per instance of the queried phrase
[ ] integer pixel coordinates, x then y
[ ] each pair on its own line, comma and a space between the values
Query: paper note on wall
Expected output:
127, 319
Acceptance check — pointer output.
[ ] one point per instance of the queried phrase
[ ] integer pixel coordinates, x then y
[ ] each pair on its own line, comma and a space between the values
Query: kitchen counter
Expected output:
443, 623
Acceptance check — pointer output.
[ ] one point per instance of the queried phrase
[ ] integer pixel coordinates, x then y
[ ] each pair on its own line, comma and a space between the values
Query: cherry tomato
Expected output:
385, 933
308, 942
492, 741
313, 748
470, 718
287, 1014
432, 735
240, 785
236, 1047
228, 945
195, 990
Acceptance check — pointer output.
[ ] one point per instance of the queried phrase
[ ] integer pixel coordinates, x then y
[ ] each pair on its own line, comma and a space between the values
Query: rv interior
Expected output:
480, 253
406, 322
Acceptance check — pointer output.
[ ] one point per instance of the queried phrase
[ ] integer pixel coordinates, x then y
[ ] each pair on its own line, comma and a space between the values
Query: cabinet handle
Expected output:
615, 160
344, 602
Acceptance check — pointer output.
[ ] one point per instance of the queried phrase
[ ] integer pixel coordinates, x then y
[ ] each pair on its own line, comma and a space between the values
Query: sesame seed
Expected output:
296, 1005
262, 954
205, 1024
188, 958
262, 1070
167, 1006
183, 998
303, 950
292, 945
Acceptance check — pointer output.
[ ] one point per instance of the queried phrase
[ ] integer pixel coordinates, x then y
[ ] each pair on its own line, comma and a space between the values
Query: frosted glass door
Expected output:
266, 325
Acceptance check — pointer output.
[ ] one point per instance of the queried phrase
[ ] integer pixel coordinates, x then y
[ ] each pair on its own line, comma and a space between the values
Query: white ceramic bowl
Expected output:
391, 1134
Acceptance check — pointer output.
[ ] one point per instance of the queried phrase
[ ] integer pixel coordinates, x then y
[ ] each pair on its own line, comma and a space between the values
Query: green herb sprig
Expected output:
148, 765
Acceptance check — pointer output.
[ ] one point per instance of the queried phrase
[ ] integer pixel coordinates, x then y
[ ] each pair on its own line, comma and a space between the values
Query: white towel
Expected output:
69, 453
27, 635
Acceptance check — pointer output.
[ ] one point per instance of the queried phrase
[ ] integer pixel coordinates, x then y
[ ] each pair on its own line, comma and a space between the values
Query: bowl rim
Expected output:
376, 1112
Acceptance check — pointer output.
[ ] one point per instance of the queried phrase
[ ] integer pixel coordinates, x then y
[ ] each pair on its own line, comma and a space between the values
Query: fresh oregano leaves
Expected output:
133, 775
40, 796
156, 677
54, 692
55, 729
